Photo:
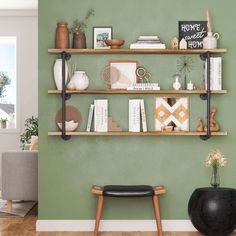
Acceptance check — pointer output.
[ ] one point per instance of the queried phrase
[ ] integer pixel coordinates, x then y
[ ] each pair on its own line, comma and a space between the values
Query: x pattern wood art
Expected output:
167, 113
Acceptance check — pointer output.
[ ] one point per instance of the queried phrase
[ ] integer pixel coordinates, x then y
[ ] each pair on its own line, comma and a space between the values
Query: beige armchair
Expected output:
19, 176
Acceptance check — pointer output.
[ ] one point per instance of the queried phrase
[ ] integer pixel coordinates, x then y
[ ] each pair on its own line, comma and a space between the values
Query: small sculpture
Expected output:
214, 126
113, 126
175, 43
143, 75
190, 85
183, 44
200, 126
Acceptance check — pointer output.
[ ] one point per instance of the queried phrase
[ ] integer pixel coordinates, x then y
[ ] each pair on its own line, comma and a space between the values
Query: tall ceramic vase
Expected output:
58, 73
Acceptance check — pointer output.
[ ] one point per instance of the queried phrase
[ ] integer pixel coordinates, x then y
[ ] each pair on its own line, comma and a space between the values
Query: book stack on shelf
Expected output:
216, 73
144, 86
98, 114
148, 42
137, 115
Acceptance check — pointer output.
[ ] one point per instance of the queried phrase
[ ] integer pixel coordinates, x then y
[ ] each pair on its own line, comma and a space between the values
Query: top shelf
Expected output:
136, 51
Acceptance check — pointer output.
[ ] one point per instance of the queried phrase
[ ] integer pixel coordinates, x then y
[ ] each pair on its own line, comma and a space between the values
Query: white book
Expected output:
148, 37
147, 46
101, 115
143, 115
216, 73
90, 118
134, 115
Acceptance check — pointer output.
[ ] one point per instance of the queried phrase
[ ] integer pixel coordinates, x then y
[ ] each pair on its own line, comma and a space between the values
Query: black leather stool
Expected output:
125, 191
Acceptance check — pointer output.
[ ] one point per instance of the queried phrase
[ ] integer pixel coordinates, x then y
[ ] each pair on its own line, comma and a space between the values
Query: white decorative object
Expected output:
58, 73
134, 115
101, 115
80, 80
183, 44
169, 110
210, 41
190, 85
176, 84
69, 125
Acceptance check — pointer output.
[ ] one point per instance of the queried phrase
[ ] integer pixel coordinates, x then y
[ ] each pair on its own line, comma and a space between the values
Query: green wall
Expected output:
68, 169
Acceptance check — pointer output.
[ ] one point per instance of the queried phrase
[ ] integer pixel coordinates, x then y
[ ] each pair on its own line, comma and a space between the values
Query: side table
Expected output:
212, 211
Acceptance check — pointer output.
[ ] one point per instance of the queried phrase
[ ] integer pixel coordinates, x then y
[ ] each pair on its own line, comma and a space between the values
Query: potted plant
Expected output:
31, 129
3, 123
78, 28
215, 160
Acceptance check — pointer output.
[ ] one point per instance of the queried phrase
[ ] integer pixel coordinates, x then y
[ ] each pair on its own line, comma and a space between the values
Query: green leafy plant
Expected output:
3, 120
4, 80
80, 26
31, 128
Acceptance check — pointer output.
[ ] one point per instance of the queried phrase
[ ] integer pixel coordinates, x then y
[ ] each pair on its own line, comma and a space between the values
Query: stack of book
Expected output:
216, 73
137, 115
144, 86
148, 42
99, 114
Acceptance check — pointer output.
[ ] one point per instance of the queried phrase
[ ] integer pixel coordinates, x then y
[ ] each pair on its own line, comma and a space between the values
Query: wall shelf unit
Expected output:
136, 51
137, 92
204, 94
149, 133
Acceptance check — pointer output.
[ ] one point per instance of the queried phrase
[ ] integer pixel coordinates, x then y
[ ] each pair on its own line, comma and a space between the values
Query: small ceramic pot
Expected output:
210, 41
80, 80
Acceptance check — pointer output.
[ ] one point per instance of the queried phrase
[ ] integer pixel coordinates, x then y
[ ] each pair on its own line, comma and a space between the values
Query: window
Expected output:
8, 82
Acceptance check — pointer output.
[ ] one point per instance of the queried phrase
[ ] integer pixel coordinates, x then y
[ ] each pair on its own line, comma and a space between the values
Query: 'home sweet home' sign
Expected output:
193, 32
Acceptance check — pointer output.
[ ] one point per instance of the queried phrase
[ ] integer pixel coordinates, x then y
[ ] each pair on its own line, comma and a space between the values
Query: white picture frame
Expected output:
126, 73
100, 34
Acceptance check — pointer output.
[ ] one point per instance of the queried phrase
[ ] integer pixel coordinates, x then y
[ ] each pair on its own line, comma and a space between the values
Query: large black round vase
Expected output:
213, 210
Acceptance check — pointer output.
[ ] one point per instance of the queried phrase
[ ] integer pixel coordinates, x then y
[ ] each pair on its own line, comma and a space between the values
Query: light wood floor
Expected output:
26, 227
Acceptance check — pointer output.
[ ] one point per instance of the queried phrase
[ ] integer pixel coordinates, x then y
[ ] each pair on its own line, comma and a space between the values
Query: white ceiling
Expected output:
18, 4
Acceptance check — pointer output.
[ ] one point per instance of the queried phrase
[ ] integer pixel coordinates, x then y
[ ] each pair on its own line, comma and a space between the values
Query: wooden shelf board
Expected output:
149, 133
136, 51
137, 92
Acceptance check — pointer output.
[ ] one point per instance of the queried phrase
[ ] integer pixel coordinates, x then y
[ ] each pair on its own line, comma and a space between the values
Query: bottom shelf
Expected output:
149, 133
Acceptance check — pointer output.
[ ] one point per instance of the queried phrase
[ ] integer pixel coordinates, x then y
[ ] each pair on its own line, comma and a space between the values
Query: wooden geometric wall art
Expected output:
171, 111
113, 126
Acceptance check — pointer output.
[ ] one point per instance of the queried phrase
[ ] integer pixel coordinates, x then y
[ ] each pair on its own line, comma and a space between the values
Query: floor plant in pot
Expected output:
78, 28
31, 129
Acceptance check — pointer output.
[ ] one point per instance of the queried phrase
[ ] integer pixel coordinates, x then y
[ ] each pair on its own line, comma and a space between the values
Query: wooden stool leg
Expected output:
98, 215
157, 214
9, 205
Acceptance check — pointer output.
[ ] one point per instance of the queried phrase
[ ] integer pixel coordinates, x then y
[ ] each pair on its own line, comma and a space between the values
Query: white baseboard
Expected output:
113, 225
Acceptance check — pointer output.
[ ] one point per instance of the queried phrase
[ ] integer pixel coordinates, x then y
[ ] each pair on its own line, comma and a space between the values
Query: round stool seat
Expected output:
128, 191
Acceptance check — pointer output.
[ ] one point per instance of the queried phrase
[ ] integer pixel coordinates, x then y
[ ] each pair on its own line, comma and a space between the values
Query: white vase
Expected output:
80, 80
176, 84
210, 41
58, 73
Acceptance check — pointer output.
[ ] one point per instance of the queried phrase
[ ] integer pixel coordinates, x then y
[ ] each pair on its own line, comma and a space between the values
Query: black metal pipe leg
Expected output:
64, 57
207, 97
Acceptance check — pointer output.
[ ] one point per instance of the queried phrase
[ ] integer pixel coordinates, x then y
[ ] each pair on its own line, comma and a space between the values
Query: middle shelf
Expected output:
137, 91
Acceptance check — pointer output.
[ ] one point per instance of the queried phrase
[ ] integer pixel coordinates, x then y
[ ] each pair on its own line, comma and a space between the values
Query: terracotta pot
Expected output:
81, 40
62, 36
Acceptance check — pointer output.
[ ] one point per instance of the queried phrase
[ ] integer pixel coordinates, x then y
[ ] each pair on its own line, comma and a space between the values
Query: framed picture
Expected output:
100, 34
193, 32
172, 111
125, 73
